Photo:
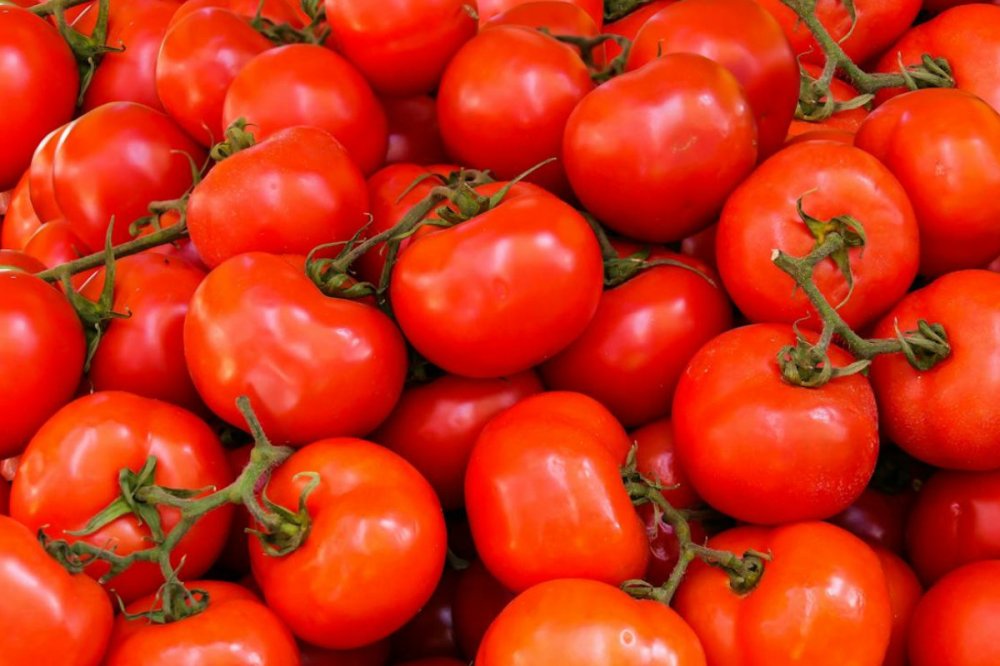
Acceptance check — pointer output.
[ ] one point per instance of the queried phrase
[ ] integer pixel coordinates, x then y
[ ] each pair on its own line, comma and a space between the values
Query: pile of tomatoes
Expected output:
420, 332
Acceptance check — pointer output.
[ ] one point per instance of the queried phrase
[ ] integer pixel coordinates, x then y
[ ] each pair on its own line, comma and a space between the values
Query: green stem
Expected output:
51, 6
616, 9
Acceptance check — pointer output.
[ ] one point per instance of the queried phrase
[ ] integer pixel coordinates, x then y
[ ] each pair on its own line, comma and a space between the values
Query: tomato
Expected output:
314, 195
681, 105
144, 354
843, 121
15, 260
629, 25
276, 11
40, 73
822, 601
479, 598
545, 498
370, 512
69, 473
940, 416
832, 180
488, 9
645, 331
376, 654
435, 425
414, 131
40, 337
742, 37
904, 593
4, 496
401, 46
113, 161
475, 111
431, 632
53, 618
502, 292
20, 221
587, 623
236, 628
956, 620
775, 452
878, 518
55, 243
201, 55
305, 84
40, 184
558, 17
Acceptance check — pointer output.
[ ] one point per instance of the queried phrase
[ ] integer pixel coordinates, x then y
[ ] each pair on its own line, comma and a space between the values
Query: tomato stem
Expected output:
616, 9
51, 6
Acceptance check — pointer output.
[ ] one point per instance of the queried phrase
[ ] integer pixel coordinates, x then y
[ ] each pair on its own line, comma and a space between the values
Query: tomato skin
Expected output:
40, 184
20, 221
545, 625
414, 131
305, 84
15, 260
40, 73
682, 105
4, 496
479, 599
939, 416
878, 518
904, 594
236, 628
431, 632
55, 243
820, 444
832, 179
629, 25
113, 161
46, 607
41, 336
314, 194
276, 11
502, 292
822, 610
69, 471
557, 16
488, 9
371, 511
473, 109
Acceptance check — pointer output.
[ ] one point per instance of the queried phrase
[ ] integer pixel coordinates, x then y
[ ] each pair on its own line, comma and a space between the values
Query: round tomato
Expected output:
275, 11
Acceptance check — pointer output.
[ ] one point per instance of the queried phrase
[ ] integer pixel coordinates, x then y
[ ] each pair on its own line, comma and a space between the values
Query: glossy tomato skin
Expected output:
940, 415
370, 512
236, 628
644, 332
46, 607
15, 260
488, 9
40, 183
832, 179
588, 623
656, 459
55, 243
479, 599
682, 105
944, 147
113, 161
414, 131
314, 194
40, 337
40, 73
434, 426
305, 84
822, 610
904, 594
276, 11
20, 220
473, 109
556, 16
742, 37
774, 452
69, 472
544, 494
502, 292
956, 620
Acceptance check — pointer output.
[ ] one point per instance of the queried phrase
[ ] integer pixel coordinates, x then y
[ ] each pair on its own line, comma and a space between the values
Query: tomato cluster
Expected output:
415, 332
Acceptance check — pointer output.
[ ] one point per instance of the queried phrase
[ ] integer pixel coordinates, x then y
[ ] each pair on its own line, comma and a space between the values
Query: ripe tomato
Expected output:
52, 618
42, 347
940, 416
556, 16
55, 243
681, 105
656, 459
629, 25
276, 11
414, 131
904, 593
587, 623
878, 518
431, 632
832, 180
305, 84
40, 184
479, 598
20, 221
371, 512
236, 628
822, 601
502, 292
843, 121
40, 74
15, 260
259, 327
819, 444
487, 9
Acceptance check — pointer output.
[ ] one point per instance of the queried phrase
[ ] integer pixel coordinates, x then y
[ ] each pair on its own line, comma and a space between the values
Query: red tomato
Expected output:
557, 16
479, 598
634, 350
42, 339
681, 105
819, 444
822, 601
831, 179
487, 9
435, 425
842, 121
40, 74
940, 416
656, 459
276, 11
431, 632
20, 221
305, 84
956, 620
4, 496
878, 517
587, 623
70, 469
414, 132
502, 292
376, 654
113, 161
40, 184
629, 25
52, 618
15, 260
371, 512
236, 628
904, 593
314, 194
56, 243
